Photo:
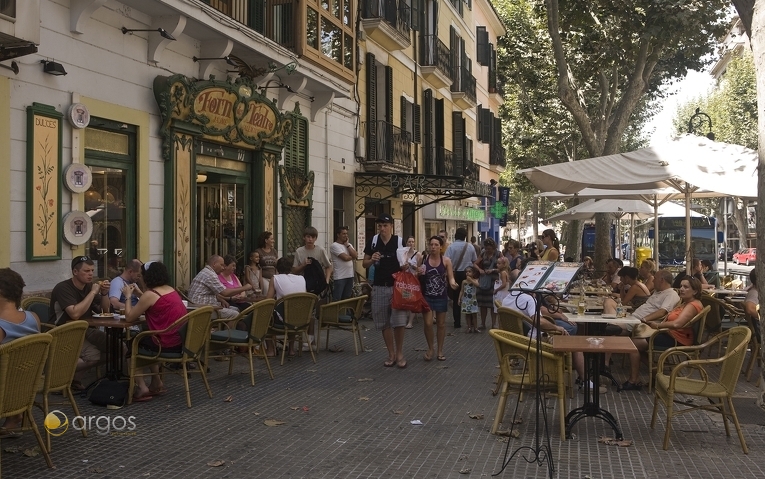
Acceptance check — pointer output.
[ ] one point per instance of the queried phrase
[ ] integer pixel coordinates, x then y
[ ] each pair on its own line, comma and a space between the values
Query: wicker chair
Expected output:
21, 365
511, 320
696, 323
60, 368
223, 343
39, 305
194, 329
297, 310
682, 380
343, 315
515, 349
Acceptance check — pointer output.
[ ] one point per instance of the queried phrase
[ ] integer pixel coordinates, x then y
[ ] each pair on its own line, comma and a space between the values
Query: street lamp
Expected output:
699, 122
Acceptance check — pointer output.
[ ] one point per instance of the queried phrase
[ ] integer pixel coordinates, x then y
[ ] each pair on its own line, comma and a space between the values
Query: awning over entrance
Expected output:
382, 186
12, 47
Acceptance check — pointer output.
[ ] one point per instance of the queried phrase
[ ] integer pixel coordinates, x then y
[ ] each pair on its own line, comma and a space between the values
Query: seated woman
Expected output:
162, 306
696, 273
646, 272
253, 275
631, 291
229, 280
14, 324
675, 332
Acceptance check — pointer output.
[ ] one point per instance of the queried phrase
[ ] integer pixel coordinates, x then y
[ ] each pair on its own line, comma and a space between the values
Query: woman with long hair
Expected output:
552, 246
435, 270
413, 258
268, 257
252, 273
646, 272
162, 306
675, 331
487, 267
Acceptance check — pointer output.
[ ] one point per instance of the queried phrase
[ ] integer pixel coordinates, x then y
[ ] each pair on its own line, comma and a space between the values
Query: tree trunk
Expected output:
740, 218
752, 14
603, 247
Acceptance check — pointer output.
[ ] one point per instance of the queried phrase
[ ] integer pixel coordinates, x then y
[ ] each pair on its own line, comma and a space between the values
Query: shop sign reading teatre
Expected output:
217, 104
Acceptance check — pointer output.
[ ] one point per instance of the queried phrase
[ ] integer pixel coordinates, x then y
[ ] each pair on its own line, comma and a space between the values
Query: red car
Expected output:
746, 256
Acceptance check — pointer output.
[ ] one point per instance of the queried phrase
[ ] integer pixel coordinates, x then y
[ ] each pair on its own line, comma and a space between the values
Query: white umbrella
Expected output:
687, 163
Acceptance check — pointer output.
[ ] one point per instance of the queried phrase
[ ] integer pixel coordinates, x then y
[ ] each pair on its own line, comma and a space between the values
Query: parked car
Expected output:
745, 256
722, 253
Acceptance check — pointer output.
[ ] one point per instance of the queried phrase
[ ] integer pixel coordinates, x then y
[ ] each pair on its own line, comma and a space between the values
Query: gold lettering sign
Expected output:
258, 119
217, 105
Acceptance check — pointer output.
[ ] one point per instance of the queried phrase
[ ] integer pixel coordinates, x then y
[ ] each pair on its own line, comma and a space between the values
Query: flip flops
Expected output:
157, 392
389, 363
401, 363
427, 357
441, 358
143, 398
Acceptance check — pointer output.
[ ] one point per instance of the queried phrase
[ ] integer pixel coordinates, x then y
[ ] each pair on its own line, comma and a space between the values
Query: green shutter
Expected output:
482, 45
404, 107
257, 15
389, 95
479, 119
428, 143
458, 143
417, 133
371, 108
296, 150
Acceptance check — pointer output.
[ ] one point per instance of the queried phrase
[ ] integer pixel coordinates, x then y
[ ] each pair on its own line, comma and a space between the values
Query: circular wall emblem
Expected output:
78, 227
79, 115
78, 178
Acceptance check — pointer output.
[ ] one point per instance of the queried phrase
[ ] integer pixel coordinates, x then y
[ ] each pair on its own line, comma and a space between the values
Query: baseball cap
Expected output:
79, 259
384, 218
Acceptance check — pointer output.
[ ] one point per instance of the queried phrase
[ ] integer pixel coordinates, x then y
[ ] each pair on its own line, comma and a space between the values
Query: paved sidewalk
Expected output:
349, 417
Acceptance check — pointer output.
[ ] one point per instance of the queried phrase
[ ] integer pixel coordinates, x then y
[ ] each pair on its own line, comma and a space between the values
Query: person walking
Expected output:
381, 252
462, 255
435, 270
413, 258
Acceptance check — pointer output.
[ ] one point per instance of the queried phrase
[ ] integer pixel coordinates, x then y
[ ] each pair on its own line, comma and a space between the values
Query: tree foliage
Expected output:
595, 66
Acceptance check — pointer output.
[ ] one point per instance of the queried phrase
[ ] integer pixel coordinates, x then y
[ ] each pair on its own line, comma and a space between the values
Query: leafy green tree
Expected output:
609, 61
732, 110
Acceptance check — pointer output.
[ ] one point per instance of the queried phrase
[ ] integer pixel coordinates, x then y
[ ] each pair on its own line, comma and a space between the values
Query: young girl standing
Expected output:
467, 300
252, 273
502, 284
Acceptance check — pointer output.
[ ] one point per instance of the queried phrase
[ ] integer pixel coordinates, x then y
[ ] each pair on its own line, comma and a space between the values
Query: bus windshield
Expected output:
672, 239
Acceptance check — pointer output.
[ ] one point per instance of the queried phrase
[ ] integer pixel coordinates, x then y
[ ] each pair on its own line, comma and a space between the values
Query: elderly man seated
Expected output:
206, 288
526, 305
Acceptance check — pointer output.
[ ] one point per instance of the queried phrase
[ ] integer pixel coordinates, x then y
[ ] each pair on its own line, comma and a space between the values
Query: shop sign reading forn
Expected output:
218, 106
459, 213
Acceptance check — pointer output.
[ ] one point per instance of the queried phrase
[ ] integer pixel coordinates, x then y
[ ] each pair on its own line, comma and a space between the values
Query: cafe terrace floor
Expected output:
349, 417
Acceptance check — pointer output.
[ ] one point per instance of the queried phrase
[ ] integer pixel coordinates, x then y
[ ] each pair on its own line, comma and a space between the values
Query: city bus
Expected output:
672, 239
588, 240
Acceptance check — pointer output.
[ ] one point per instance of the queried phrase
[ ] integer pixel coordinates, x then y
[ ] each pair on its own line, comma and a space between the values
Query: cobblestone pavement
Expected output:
349, 417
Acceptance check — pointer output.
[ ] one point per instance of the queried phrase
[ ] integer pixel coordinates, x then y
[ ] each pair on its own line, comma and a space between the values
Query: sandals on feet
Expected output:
427, 357
628, 386
401, 363
389, 363
441, 358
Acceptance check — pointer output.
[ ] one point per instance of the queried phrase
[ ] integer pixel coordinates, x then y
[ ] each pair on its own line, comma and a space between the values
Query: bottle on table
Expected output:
582, 304
619, 309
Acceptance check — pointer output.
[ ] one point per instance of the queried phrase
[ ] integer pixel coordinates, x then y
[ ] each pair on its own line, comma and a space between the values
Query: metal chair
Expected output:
517, 364
39, 305
256, 318
696, 323
194, 328
342, 315
21, 365
297, 312
682, 381
60, 367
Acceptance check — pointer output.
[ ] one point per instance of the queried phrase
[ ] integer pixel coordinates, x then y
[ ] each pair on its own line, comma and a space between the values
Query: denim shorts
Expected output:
437, 305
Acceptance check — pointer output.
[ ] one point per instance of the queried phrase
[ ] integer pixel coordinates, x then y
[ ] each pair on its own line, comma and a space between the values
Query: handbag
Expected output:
108, 392
407, 293
486, 281
642, 331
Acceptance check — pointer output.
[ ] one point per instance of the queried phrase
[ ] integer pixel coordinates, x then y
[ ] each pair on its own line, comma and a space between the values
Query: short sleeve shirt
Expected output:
388, 259
666, 300
66, 294
115, 290
341, 269
205, 286
752, 296
317, 253
462, 251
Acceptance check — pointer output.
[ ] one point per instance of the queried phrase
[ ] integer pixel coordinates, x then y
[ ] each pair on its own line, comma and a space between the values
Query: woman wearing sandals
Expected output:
435, 270
487, 266
162, 306
412, 257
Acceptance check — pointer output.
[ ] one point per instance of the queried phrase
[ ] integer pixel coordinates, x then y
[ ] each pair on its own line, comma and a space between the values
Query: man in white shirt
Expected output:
343, 255
462, 255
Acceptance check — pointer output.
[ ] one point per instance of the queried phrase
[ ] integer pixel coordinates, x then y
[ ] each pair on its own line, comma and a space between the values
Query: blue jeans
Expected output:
342, 289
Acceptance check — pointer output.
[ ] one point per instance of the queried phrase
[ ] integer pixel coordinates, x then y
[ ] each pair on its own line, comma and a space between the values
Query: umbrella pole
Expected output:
688, 238
632, 240
656, 230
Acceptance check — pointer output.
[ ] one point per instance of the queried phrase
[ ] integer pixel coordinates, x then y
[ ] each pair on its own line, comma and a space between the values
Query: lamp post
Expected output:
700, 121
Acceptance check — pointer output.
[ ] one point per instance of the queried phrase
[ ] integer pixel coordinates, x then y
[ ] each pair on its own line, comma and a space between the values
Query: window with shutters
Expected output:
296, 149
330, 29
482, 46
459, 144
410, 119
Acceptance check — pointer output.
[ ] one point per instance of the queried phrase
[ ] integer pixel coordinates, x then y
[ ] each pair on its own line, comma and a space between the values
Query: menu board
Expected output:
547, 275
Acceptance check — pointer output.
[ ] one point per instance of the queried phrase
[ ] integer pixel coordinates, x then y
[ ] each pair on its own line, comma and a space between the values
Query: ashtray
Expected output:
595, 341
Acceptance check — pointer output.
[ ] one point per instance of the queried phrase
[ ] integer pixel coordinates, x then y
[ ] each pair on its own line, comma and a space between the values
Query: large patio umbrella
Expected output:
687, 163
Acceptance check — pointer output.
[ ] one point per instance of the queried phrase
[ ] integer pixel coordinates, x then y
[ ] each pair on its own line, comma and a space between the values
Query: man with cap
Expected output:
78, 298
381, 251
462, 255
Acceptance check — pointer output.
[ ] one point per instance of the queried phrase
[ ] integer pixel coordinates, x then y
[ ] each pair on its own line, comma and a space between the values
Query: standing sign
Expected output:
504, 199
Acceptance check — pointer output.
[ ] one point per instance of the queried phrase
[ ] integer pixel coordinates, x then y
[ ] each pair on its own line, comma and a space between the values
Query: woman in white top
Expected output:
282, 284
413, 257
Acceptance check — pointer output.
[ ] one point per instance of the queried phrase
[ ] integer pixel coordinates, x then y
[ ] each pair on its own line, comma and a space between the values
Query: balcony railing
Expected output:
440, 161
389, 144
497, 157
395, 12
463, 81
275, 19
434, 53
